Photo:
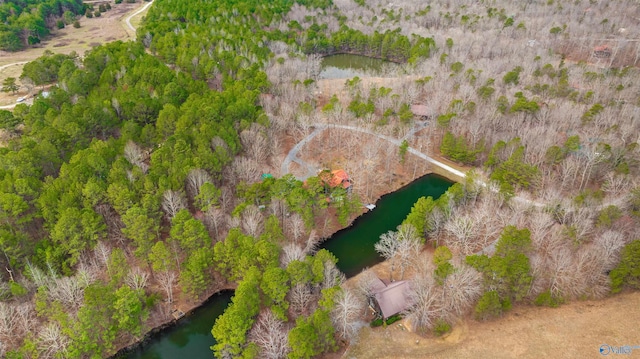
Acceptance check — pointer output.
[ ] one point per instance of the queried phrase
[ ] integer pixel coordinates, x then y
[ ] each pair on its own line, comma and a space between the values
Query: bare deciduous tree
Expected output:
102, 252
295, 226
366, 282
461, 290
347, 315
135, 155
332, 276
300, 297
173, 202
271, 336
462, 230
51, 341
408, 246
290, 253
252, 221
216, 220
68, 290
137, 278
255, 145
425, 299
195, 179
246, 169
387, 247
167, 281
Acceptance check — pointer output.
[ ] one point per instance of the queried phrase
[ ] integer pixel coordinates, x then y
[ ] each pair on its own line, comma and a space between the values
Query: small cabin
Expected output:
603, 51
390, 299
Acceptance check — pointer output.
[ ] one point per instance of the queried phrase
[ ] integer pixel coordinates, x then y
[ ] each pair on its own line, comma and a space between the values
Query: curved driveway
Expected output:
128, 20
292, 156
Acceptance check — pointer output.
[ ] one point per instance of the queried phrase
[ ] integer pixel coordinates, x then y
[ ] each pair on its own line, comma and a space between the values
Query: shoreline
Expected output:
170, 323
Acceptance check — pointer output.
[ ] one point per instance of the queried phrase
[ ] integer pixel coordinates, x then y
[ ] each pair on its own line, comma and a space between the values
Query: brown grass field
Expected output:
109, 27
573, 330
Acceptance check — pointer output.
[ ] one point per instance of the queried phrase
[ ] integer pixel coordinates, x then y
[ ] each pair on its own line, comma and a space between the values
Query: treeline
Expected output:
205, 46
390, 45
27, 22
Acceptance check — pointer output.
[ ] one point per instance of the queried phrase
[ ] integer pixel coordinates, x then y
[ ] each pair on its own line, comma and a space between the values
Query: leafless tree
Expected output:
366, 282
8, 321
425, 299
332, 276
167, 281
252, 221
68, 290
271, 336
347, 315
22, 318
51, 341
137, 278
290, 253
461, 289
102, 252
216, 221
300, 297
615, 185
135, 155
255, 144
295, 226
610, 244
462, 231
173, 202
246, 169
408, 246
387, 247
195, 179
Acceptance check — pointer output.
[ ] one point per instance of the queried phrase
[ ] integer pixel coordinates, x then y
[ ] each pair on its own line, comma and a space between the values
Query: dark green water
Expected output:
346, 66
191, 338
353, 246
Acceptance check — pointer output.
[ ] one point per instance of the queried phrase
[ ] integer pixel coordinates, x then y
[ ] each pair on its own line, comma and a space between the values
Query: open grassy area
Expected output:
109, 27
575, 330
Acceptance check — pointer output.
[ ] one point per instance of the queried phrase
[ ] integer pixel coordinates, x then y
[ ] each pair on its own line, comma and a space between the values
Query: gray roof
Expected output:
393, 299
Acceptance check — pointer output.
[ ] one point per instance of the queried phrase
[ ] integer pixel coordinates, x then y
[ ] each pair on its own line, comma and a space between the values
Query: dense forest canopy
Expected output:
136, 178
27, 22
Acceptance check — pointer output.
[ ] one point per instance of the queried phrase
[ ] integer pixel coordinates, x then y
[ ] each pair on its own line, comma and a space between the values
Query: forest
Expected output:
137, 181
27, 22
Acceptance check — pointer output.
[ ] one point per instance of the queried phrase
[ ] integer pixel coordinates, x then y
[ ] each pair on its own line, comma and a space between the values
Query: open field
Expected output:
109, 27
575, 330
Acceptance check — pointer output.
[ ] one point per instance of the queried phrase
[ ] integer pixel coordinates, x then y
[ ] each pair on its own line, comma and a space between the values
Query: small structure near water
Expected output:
176, 313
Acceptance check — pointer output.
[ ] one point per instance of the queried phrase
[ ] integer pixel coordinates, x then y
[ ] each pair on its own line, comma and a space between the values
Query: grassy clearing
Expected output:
109, 27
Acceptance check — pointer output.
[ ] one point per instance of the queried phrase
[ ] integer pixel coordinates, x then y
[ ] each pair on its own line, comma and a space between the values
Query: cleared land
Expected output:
575, 330
109, 27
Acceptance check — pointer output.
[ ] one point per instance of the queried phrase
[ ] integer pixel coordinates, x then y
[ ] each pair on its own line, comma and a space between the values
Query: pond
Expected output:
353, 246
346, 66
190, 338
